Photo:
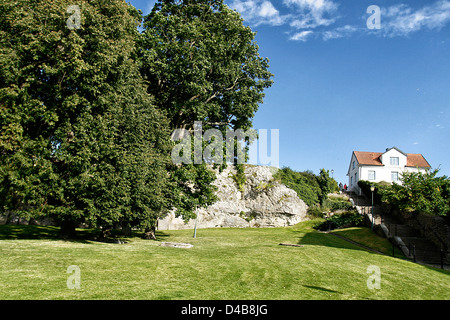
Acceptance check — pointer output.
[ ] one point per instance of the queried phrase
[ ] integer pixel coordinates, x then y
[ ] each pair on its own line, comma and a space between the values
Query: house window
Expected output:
372, 175
354, 164
351, 181
394, 176
394, 161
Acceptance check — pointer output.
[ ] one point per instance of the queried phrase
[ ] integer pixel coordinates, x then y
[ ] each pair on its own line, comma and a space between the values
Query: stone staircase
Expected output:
410, 241
417, 247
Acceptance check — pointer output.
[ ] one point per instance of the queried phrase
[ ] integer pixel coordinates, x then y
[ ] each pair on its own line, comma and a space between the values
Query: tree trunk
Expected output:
106, 232
126, 230
67, 230
149, 233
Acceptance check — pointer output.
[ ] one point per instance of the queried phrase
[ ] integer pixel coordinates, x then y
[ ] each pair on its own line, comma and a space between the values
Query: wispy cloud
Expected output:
312, 13
303, 16
259, 12
301, 36
312, 19
339, 32
401, 20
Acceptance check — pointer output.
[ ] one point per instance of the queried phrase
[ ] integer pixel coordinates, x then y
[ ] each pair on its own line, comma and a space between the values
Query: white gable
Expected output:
395, 154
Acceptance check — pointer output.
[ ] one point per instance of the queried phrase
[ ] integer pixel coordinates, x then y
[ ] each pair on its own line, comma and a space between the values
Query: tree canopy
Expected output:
202, 64
81, 140
88, 105
421, 192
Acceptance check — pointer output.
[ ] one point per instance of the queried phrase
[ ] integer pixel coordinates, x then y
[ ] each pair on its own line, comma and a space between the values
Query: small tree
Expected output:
422, 192
326, 183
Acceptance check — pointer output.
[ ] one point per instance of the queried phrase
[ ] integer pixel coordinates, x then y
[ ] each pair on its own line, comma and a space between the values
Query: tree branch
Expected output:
212, 97
234, 85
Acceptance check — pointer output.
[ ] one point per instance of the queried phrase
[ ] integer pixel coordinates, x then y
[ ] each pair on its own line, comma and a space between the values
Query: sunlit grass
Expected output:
223, 264
366, 237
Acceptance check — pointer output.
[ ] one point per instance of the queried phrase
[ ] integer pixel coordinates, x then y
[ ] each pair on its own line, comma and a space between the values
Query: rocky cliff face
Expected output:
262, 203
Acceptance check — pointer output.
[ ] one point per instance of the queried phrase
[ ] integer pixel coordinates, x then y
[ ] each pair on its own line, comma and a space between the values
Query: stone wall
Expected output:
434, 228
263, 202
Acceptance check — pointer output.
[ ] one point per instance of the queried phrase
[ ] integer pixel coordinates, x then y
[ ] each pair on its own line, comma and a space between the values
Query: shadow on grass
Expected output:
160, 235
28, 232
33, 232
328, 240
322, 289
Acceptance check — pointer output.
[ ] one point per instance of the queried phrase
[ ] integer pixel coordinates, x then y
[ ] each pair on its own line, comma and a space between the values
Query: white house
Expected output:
382, 166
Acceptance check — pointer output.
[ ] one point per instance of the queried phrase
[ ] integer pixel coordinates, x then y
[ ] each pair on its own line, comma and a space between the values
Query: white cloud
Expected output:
304, 14
313, 5
322, 18
301, 36
339, 32
258, 12
268, 10
401, 20
312, 13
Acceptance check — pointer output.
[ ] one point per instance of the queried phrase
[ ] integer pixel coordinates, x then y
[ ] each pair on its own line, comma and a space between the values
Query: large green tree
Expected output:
80, 140
202, 64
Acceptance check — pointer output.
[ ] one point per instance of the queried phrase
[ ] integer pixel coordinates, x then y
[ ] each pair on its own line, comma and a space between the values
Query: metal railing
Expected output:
436, 256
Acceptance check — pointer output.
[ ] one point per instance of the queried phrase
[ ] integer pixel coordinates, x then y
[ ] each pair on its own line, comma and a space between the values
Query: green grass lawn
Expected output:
223, 264
366, 237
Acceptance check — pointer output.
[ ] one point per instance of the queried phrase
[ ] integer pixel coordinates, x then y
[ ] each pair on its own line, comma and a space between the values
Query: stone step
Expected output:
425, 250
402, 230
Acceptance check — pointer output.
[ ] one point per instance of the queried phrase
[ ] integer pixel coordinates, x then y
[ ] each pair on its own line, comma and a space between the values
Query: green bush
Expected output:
315, 211
239, 178
311, 188
421, 192
382, 189
339, 221
335, 204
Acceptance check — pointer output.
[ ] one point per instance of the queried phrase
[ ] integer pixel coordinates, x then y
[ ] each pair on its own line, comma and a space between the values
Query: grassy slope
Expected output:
223, 264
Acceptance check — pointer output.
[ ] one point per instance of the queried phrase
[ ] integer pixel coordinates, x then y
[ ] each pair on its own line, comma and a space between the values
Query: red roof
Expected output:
373, 159
368, 158
416, 160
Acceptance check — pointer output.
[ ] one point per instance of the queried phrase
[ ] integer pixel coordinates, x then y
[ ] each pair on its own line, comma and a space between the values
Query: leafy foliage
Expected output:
422, 192
327, 184
202, 64
310, 188
85, 144
339, 221
335, 204
85, 138
382, 188
304, 183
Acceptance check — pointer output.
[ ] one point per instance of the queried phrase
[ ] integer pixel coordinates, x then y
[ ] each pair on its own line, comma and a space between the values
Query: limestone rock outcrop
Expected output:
263, 202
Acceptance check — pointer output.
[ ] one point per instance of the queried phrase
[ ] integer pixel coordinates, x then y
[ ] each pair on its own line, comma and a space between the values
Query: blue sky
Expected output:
340, 86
